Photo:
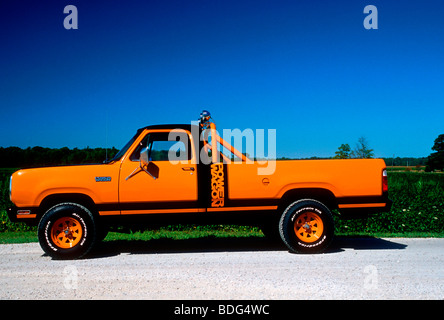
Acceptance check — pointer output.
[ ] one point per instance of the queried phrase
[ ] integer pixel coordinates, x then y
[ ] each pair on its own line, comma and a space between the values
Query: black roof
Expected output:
170, 126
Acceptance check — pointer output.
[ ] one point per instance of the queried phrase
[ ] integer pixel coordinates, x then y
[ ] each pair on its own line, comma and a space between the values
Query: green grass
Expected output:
31, 236
18, 237
188, 232
418, 207
170, 232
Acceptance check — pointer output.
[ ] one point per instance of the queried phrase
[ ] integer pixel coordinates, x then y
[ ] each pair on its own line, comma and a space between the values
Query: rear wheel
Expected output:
306, 226
67, 231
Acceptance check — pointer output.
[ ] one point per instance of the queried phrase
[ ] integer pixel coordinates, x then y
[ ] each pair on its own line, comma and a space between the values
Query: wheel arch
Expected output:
324, 196
79, 198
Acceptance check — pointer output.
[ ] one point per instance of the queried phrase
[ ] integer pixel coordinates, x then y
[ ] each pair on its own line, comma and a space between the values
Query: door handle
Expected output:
188, 168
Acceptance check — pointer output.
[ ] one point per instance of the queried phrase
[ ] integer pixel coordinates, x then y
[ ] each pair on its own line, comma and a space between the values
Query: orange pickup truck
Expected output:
168, 174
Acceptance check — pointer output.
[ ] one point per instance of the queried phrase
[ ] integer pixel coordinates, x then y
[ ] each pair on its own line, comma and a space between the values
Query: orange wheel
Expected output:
66, 232
308, 227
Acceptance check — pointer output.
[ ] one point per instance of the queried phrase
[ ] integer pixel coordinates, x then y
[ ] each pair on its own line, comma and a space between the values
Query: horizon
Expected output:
309, 69
263, 158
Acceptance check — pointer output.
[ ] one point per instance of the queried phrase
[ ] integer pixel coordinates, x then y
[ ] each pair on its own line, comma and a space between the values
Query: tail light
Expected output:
384, 181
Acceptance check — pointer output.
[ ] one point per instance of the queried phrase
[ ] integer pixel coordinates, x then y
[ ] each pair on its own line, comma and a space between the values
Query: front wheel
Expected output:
67, 231
306, 226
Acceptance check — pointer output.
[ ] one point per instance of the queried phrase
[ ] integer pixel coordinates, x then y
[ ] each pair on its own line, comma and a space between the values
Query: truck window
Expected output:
165, 150
122, 151
162, 149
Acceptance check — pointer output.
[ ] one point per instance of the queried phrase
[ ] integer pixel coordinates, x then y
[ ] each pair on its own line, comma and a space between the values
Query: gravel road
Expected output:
392, 268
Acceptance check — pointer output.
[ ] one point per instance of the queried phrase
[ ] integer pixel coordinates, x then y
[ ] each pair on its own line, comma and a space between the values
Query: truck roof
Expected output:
169, 126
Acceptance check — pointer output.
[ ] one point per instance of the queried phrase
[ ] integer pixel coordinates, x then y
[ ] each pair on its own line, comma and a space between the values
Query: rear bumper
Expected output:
352, 209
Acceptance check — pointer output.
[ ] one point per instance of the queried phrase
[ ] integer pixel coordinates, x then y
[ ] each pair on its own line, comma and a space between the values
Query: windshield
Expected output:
122, 151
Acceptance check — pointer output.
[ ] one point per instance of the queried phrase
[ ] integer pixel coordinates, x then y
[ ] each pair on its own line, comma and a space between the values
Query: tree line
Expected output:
15, 157
362, 150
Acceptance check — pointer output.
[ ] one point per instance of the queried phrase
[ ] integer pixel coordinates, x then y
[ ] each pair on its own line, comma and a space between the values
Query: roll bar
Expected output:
206, 124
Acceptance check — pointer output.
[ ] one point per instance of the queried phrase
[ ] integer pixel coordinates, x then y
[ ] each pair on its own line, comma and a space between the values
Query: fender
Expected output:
326, 187
326, 196
98, 182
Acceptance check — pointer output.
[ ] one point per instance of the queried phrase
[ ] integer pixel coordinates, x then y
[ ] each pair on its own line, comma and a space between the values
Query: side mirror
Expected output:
144, 158
143, 163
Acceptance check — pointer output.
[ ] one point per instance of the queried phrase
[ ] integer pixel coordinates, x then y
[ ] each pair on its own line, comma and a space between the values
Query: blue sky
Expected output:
308, 69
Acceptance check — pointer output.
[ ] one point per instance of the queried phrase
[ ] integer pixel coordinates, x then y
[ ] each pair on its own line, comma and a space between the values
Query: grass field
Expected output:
418, 206
405, 168
170, 232
418, 211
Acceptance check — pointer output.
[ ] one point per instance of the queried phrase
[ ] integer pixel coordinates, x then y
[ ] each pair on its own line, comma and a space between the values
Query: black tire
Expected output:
102, 232
78, 235
271, 231
306, 226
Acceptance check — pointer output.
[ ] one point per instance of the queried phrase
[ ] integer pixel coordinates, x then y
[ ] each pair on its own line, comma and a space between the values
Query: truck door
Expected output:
168, 183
